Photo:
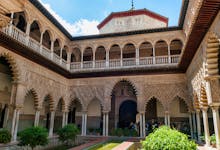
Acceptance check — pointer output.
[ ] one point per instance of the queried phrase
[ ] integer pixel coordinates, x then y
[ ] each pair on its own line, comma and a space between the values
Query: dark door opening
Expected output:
127, 113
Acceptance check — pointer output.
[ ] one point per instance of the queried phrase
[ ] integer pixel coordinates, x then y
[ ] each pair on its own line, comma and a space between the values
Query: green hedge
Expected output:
33, 137
165, 138
68, 133
5, 136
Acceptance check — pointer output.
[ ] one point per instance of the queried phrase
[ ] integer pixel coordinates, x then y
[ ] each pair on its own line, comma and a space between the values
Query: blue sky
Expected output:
81, 17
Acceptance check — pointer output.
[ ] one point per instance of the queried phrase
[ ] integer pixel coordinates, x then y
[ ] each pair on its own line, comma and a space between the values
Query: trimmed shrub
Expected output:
168, 139
33, 137
5, 136
68, 133
213, 139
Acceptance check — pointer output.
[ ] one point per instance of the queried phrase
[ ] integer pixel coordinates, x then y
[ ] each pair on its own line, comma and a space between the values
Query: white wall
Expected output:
131, 23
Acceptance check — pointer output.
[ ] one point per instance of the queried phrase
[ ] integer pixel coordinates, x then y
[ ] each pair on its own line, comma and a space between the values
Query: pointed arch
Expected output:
35, 97
180, 99
13, 66
134, 87
35, 31
62, 104
48, 99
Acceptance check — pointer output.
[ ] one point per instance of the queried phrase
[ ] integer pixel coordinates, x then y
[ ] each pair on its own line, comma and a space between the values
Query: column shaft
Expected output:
216, 122
206, 127
37, 118
64, 119
103, 129
198, 125
13, 122
141, 126
168, 120
107, 123
82, 126
194, 125
190, 124
51, 123
16, 125
144, 131
85, 123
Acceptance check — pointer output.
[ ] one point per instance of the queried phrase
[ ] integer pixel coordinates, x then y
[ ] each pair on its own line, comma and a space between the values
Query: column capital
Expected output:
167, 112
105, 112
204, 108
18, 106
215, 107
198, 110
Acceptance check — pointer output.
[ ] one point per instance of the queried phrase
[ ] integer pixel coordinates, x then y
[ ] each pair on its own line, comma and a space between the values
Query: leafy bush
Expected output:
68, 133
213, 139
33, 137
167, 139
5, 136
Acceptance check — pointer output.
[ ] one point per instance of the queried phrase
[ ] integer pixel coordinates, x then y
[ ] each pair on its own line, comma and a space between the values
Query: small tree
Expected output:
166, 138
33, 137
68, 133
5, 136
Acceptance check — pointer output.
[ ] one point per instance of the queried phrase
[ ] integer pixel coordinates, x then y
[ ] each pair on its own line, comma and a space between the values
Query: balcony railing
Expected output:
33, 44
91, 65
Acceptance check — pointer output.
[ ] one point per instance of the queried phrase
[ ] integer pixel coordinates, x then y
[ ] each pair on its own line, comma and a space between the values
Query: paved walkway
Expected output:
86, 145
206, 148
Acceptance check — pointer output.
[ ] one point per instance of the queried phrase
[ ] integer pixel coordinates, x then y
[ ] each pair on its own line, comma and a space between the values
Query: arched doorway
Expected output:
6, 79
154, 115
94, 122
179, 115
122, 93
127, 113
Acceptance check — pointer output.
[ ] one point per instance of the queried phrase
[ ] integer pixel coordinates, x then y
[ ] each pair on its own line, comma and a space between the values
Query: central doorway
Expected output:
127, 113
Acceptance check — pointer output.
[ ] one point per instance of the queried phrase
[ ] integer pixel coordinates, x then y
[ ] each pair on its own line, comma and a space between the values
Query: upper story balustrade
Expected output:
84, 62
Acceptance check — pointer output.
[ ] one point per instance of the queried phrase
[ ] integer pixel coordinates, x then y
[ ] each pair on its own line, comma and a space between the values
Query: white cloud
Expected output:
81, 27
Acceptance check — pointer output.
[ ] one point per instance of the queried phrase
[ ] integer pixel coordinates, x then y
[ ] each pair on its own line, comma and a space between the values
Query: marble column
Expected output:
144, 130
194, 125
64, 119
206, 126
198, 125
165, 119
85, 126
168, 119
37, 118
52, 50
6, 117
11, 23
154, 55
107, 124
16, 125
27, 32
107, 58
82, 126
169, 57
13, 122
104, 126
52, 115
215, 112
137, 56
191, 126
141, 126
